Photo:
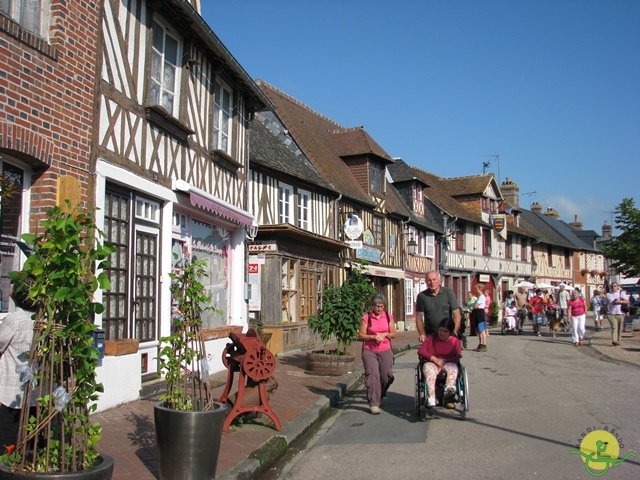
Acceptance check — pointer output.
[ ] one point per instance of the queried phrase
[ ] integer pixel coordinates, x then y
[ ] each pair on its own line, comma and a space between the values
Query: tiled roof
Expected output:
269, 151
471, 185
542, 229
395, 204
567, 233
356, 141
434, 191
313, 134
439, 191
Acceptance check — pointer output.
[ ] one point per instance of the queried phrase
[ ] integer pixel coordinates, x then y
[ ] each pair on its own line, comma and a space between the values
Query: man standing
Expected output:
615, 300
596, 304
522, 302
434, 304
563, 305
538, 310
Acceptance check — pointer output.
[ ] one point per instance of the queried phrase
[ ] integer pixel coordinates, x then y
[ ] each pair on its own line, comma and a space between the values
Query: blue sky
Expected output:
551, 86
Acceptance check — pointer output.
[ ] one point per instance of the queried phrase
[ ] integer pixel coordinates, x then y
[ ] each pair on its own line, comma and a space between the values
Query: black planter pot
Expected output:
188, 442
102, 471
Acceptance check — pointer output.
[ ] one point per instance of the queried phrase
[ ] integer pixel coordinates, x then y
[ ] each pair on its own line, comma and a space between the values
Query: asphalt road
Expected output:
533, 400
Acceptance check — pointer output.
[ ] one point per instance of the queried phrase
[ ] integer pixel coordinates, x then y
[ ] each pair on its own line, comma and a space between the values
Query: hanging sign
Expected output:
499, 223
353, 227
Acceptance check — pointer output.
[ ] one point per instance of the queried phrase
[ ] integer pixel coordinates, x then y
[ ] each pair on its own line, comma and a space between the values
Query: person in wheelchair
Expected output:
441, 352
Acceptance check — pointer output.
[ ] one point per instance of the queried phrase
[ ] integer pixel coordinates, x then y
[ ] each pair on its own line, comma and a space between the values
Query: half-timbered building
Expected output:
170, 158
472, 248
47, 71
354, 165
422, 229
295, 252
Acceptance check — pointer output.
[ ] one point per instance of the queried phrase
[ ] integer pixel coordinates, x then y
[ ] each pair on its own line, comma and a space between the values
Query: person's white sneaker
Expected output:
431, 401
375, 410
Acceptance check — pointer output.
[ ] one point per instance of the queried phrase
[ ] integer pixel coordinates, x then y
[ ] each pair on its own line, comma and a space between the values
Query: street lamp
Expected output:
412, 246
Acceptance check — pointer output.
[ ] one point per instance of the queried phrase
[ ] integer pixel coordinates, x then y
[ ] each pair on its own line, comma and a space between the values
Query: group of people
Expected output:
440, 328
439, 324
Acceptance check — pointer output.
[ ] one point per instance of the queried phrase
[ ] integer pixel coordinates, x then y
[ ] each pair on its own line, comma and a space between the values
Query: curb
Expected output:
608, 357
261, 459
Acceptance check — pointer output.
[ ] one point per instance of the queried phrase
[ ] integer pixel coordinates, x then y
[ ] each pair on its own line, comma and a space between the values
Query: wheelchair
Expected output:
461, 397
504, 327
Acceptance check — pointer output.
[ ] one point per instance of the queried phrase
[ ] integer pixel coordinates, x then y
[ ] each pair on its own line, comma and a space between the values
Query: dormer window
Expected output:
375, 178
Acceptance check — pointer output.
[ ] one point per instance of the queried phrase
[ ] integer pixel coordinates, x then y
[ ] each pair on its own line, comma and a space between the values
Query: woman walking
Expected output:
577, 313
376, 331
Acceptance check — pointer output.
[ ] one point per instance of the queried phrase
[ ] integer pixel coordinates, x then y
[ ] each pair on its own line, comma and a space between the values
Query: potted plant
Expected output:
494, 311
57, 437
188, 422
339, 318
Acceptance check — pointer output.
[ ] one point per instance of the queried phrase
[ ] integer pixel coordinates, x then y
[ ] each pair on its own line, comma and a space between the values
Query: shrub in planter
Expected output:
61, 375
188, 422
494, 311
342, 310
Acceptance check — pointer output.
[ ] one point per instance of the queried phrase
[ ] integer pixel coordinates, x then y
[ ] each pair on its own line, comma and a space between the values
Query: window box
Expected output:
219, 332
167, 122
225, 160
126, 346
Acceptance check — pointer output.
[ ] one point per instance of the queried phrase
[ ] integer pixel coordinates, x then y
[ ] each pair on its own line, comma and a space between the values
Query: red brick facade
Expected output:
47, 90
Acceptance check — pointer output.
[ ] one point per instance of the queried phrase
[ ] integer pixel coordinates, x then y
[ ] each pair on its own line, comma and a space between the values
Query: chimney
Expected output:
552, 213
536, 207
607, 230
510, 192
576, 225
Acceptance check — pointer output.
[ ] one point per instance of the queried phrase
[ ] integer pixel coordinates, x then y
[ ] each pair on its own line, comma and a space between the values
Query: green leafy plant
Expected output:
342, 310
183, 356
62, 360
494, 308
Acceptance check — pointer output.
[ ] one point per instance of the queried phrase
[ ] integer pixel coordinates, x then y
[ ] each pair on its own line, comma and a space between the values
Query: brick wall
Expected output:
47, 97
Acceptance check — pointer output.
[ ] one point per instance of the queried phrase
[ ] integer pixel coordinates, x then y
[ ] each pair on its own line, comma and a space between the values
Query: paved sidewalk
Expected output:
300, 400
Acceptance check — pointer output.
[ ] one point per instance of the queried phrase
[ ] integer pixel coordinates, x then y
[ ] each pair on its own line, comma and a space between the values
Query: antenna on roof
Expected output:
611, 213
486, 164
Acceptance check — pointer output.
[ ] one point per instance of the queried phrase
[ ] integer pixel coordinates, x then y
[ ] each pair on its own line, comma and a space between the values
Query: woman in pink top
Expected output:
441, 352
578, 314
376, 331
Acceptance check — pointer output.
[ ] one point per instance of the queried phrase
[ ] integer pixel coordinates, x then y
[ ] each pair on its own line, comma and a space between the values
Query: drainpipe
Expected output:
405, 253
336, 215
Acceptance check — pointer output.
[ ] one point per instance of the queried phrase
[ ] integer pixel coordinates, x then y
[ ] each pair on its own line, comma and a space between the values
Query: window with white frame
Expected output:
29, 14
165, 71
285, 204
304, 210
408, 297
147, 210
429, 244
222, 114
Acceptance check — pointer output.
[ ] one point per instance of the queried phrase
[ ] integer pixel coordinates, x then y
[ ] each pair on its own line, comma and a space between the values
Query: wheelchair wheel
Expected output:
463, 391
418, 383
502, 332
